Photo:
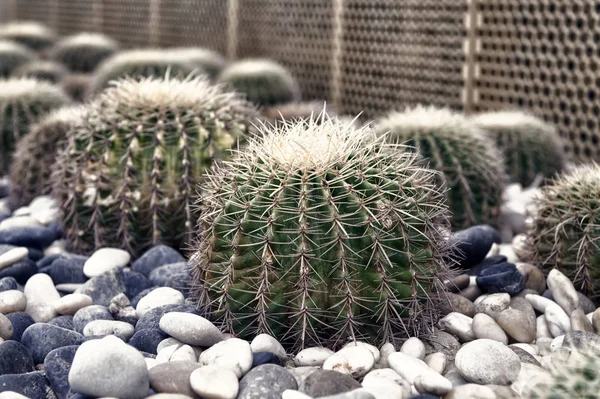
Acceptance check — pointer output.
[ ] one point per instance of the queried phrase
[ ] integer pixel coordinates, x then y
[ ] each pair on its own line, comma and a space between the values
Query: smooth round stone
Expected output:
437, 386
457, 283
66, 270
501, 278
147, 340
20, 322
164, 355
214, 382
90, 313
168, 342
388, 374
524, 356
70, 304
159, 297
373, 349
234, 354
68, 288
105, 259
266, 343
120, 308
459, 325
518, 325
259, 358
13, 256
563, 291
485, 361
323, 383
184, 353
382, 387
190, 329
354, 360
471, 391
40, 293
457, 303
15, 358
135, 283
6, 328
174, 275
292, 394
155, 257
104, 287
413, 347
437, 362
486, 327
312, 356
28, 236
385, 350
409, 368
534, 278
20, 271
556, 316
584, 342
538, 302
541, 328
109, 367
152, 318
493, 304
174, 377
56, 366
19, 221
595, 320
470, 246
8, 283
267, 381
441, 341
579, 321
472, 292
487, 262
108, 327
42, 338
12, 301
31, 385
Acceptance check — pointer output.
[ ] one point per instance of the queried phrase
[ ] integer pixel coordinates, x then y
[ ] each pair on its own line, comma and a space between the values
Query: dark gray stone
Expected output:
8, 283
147, 340
585, 342
20, 322
20, 271
65, 321
41, 338
327, 382
33, 385
151, 319
28, 236
470, 246
266, 382
57, 365
15, 358
155, 257
90, 313
135, 283
503, 277
174, 275
104, 287
173, 377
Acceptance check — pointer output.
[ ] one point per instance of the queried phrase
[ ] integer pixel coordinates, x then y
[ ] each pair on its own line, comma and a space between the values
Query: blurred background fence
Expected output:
371, 56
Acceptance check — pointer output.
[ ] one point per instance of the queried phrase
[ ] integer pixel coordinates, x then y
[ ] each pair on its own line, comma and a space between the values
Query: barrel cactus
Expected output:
83, 52
531, 146
77, 85
264, 82
31, 34
206, 60
316, 233
127, 176
471, 166
12, 56
36, 154
139, 64
49, 71
22, 102
295, 111
565, 230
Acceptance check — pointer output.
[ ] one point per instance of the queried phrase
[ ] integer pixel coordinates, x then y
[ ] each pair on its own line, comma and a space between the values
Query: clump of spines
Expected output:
264, 82
316, 233
77, 85
83, 52
139, 64
31, 34
22, 102
128, 174
471, 167
12, 56
565, 229
304, 111
531, 147
48, 71
36, 154
204, 59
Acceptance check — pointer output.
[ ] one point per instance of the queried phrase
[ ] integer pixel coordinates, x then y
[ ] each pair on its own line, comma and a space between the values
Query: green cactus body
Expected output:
316, 233
531, 147
83, 52
12, 56
471, 167
77, 85
128, 173
139, 64
36, 154
566, 227
33, 35
48, 71
264, 82
206, 60
22, 102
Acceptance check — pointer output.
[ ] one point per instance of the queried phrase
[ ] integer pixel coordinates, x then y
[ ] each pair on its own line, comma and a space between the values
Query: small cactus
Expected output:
139, 64
316, 233
471, 166
128, 174
531, 146
36, 154
12, 56
83, 52
48, 71
77, 85
264, 82
565, 229
206, 60
31, 34
22, 102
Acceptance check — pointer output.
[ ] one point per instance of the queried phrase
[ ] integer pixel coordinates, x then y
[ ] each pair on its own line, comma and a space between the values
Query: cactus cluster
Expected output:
531, 147
22, 102
31, 34
471, 167
263, 81
83, 52
205, 60
36, 154
48, 71
139, 64
12, 56
565, 230
316, 233
127, 176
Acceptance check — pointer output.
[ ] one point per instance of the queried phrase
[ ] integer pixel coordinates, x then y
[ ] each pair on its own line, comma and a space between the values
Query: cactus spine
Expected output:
471, 167
83, 52
531, 147
128, 173
12, 56
316, 233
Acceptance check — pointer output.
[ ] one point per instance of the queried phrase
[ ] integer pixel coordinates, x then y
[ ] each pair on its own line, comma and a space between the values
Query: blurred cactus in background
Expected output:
48, 71
12, 56
205, 60
83, 52
31, 34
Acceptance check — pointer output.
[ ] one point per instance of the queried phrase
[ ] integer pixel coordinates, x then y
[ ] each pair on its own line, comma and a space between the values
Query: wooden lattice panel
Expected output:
127, 21
36, 10
77, 16
543, 56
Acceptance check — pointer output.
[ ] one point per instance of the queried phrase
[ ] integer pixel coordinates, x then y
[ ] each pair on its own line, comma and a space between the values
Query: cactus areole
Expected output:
318, 233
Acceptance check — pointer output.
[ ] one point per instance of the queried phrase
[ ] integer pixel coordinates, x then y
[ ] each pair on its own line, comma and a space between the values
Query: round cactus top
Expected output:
256, 66
585, 177
25, 28
87, 39
508, 120
16, 89
425, 118
9, 47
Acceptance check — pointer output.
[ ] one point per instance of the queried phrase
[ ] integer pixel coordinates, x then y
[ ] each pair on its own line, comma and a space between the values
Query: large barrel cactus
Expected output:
264, 82
83, 52
127, 177
31, 34
49, 71
565, 230
471, 166
206, 60
22, 102
36, 154
317, 233
531, 146
12, 56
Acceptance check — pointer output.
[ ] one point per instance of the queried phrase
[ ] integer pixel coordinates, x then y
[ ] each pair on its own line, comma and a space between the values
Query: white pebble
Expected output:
19, 221
184, 353
557, 343
214, 382
108, 327
373, 349
459, 325
539, 302
563, 291
427, 384
493, 304
69, 288
485, 361
437, 362
413, 347
70, 304
382, 388
41, 294
12, 301
158, 297
56, 248
12, 256
266, 343
234, 354
388, 374
385, 350
105, 259
556, 316
312, 356
164, 355
353, 360
409, 367
168, 342
292, 394
541, 328
190, 329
